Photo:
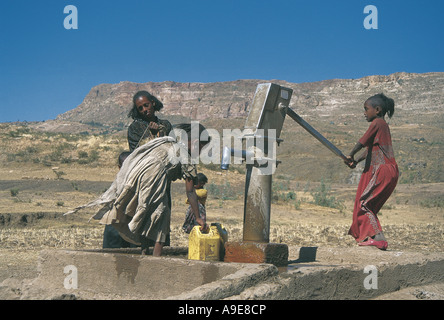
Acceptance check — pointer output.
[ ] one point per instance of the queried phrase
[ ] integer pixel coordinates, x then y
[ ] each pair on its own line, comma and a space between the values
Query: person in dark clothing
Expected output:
146, 125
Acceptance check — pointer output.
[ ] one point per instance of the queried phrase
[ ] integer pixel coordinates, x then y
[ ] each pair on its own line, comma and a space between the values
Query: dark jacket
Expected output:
138, 131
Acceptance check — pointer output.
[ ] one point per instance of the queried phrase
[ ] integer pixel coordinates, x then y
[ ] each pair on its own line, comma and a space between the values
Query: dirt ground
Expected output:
33, 200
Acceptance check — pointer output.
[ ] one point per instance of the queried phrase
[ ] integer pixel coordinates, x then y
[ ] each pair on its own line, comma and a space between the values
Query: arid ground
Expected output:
36, 188
33, 218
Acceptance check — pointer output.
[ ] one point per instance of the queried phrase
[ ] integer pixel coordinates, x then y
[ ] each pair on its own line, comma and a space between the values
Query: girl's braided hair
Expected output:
387, 104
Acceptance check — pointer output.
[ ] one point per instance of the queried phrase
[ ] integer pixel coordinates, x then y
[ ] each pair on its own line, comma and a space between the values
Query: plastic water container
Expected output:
207, 246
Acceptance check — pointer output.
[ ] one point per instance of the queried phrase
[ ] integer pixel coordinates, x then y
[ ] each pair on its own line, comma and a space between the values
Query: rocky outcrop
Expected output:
110, 103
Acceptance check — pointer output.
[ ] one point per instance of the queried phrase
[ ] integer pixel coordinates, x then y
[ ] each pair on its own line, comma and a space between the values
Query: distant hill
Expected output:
108, 104
334, 107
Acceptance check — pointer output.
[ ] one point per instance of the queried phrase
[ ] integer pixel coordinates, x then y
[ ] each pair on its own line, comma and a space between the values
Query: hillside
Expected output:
415, 94
333, 107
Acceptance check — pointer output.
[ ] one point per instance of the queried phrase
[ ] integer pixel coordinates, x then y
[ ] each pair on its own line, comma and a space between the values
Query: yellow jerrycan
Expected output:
207, 246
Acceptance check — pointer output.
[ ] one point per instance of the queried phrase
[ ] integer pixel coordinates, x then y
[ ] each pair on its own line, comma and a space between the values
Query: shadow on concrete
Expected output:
306, 254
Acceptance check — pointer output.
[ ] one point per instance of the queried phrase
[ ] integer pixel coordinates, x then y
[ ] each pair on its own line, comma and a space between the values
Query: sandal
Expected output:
378, 244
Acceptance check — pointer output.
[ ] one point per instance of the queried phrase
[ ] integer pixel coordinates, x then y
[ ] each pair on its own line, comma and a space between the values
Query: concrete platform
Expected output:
343, 273
117, 275
323, 273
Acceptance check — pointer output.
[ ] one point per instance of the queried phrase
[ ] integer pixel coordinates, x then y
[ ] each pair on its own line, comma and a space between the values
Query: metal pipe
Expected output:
315, 133
228, 152
257, 206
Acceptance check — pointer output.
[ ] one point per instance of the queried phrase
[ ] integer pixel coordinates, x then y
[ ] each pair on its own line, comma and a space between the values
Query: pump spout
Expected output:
226, 155
228, 152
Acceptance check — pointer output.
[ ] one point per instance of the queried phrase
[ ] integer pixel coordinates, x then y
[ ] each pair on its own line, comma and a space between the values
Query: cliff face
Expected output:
109, 104
333, 107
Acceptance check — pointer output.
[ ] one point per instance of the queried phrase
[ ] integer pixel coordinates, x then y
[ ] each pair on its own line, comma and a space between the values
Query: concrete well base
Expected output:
122, 274
319, 273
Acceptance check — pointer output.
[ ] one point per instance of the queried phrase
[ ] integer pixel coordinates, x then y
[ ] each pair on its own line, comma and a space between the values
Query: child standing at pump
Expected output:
190, 220
380, 174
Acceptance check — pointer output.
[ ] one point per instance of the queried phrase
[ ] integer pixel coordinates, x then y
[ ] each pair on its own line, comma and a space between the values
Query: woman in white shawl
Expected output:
137, 203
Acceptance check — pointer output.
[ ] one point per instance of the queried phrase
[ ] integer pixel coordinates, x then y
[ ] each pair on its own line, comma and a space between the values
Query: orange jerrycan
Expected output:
207, 246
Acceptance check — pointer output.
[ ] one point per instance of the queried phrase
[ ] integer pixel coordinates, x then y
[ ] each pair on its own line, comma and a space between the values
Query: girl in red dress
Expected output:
380, 174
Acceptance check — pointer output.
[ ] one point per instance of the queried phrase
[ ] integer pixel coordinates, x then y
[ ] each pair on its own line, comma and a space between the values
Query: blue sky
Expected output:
46, 70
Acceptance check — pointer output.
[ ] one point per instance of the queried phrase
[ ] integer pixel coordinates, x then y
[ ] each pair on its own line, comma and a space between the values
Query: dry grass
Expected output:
58, 238
413, 218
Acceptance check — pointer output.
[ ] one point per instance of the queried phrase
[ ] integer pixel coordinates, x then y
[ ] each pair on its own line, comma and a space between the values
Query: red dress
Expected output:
377, 182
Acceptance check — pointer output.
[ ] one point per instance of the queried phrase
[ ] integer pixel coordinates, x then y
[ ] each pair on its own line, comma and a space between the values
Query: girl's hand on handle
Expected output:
350, 162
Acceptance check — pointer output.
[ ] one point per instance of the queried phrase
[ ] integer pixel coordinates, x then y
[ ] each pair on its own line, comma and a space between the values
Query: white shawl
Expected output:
128, 174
